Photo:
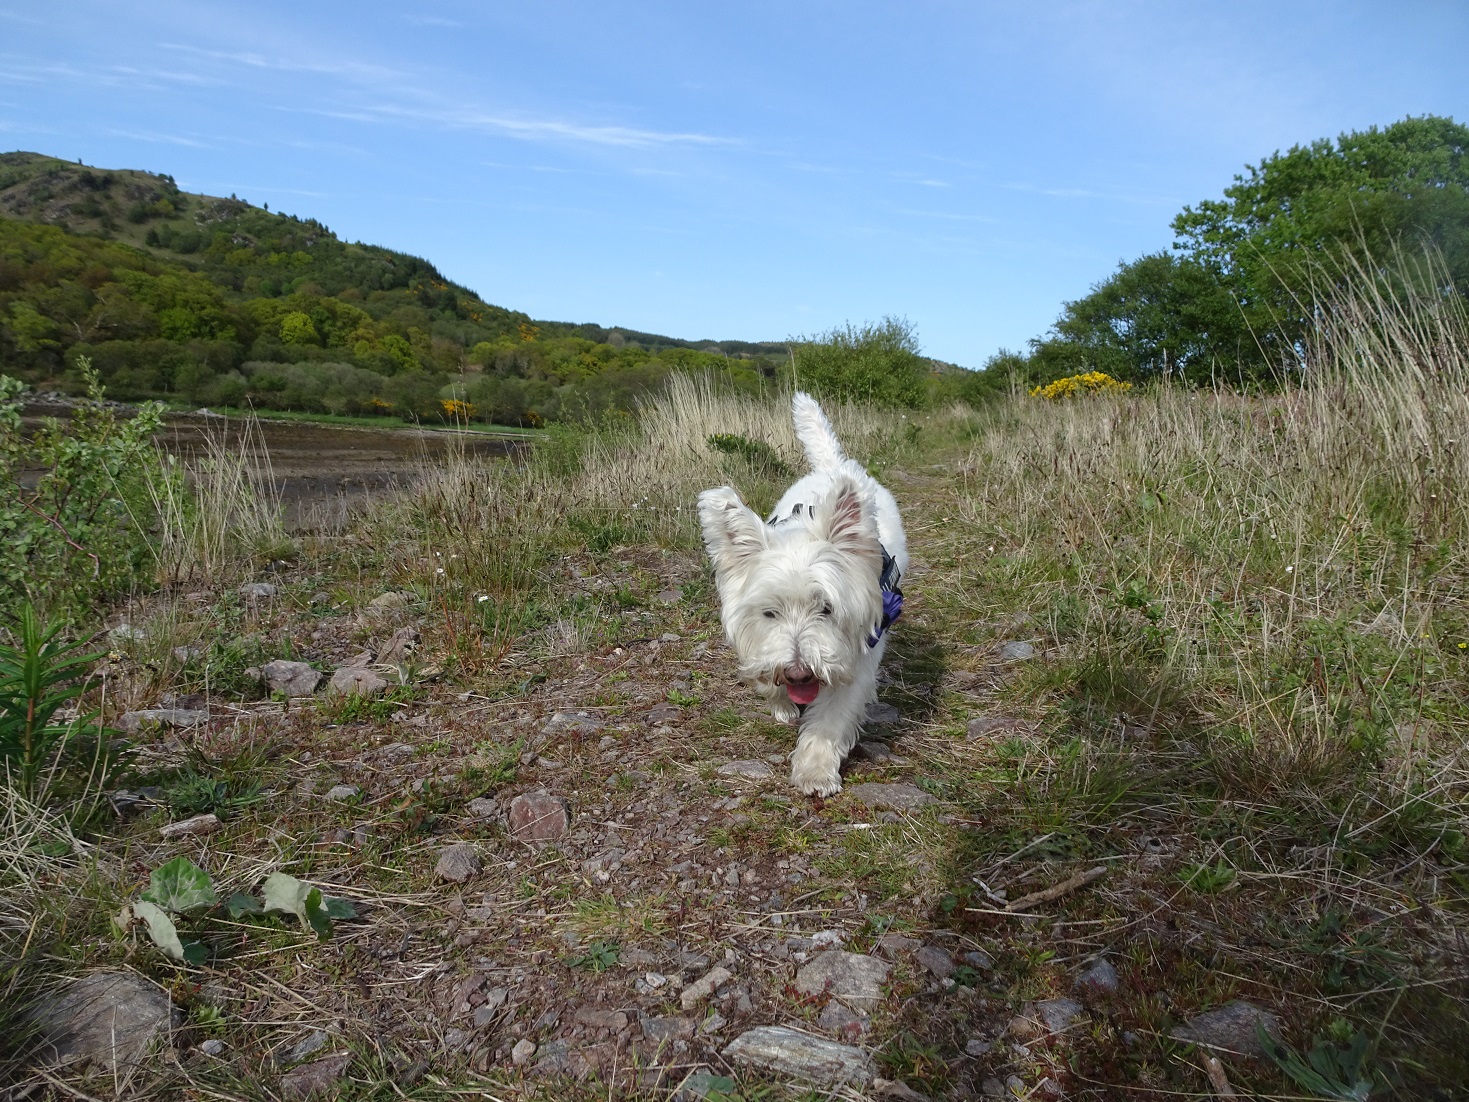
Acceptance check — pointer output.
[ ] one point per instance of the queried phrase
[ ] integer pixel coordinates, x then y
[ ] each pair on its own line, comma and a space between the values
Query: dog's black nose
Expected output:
798, 674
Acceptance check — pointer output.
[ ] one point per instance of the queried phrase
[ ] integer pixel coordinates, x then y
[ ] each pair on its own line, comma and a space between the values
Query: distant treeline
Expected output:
216, 302
1232, 301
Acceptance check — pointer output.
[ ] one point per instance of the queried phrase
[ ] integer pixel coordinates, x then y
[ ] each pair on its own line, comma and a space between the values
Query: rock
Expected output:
714, 1023
882, 715
577, 722
993, 1088
696, 992
1015, 650
539, 816
386, 602
126, 633
879, 753
290, 678
749, 770
669, 596
1231, 1029
150, 719
976, 1047
891, 797
482, 807
458, 863
554, 1057
663, 1032
341, 792
892, 945
978, 958
357, 681
187, 655
257, 591
853, 978
843, 1022
654, 980
317, 1077
107, 1018
522, 1052
788, 1052
1045, 1017
663, 713
936, 961
1099, 979
212, 1047
399, 647
828, 939
309, 1046
207, 823
981, 726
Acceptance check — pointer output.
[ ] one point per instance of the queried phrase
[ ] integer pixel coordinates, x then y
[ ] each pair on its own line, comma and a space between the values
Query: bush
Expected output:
877, 363
83, 532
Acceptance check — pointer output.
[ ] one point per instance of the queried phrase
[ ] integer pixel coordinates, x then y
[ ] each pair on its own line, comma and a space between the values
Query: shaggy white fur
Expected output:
800, 595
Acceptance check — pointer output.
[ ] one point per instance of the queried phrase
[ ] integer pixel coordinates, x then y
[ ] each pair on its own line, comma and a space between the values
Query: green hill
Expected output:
208, 300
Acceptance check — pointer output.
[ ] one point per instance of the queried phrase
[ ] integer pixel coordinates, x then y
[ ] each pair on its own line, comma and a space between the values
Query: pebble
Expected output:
357, 681
976, 1047
342, 792
310, 1045
1099, 979
522, 1052
696, 992
482, 807
290, 678
317, 1077
1015, 650
207, 823
212, 1047
894, 797
937, 961
154, 718
383, 602
801, 1056
981, 726
458, 863
882, 715
257, 591
1232, 1028
750, 770
853, 978
539, 816
843, 1021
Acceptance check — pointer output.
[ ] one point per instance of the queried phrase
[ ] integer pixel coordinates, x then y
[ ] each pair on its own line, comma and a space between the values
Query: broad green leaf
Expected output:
316, 914
283, 892
180, 886
339, 909
195, 953
242, 903
160, 928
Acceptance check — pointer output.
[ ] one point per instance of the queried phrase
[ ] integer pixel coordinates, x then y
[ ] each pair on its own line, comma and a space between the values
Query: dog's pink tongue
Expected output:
804, 692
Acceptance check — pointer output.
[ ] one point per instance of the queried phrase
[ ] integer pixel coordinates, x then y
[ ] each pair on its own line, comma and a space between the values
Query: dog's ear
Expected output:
732, 533
846, 523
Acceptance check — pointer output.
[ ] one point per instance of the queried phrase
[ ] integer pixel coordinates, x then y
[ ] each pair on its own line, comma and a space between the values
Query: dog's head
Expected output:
798, 599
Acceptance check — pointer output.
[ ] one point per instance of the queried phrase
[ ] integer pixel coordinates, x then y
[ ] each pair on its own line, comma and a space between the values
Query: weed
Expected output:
600, 956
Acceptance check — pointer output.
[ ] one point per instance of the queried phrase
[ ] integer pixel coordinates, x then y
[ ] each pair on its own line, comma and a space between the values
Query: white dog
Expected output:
806, 597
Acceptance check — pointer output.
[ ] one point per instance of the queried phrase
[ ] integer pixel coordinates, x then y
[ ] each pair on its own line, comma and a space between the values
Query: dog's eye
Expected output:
826, 610
770, 614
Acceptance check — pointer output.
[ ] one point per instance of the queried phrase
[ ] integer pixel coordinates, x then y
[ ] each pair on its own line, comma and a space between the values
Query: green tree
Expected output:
297, 328
876, 362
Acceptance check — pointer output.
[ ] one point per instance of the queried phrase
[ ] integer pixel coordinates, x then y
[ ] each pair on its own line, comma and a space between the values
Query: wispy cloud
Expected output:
432, 21
1091, 193
334, 67
948, 216
162, 139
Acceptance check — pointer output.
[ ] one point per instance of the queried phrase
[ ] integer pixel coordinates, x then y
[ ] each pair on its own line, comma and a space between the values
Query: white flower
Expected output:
481, 599
1290, 570
440, 570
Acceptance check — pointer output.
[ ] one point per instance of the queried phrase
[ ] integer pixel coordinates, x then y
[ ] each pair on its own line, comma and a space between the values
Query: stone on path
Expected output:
936, 961
1099, 979
257, 591
844, 1022
801, 1056
890, 797
663, 713
1049, 1016
522, 1052
539, 816
107, 1018
575, 722
891, 945
316, 1078
357, 681
458, 863
853, 978
1231, 1029
342, 792
879, 753
207, 823
882, 715
386, 602
290, 678
399, 647
696, 992
1016, 650
482, 807
980, 726
149, 719
751, 769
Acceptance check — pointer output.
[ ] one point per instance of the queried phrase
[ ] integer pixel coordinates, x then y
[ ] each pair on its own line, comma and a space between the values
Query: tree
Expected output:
877, 362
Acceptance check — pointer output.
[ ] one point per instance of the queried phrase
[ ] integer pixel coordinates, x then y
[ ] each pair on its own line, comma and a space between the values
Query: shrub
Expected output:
877, 363
1090, 382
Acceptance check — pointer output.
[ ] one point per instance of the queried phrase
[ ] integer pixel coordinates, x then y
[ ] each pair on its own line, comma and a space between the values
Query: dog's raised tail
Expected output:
815, 433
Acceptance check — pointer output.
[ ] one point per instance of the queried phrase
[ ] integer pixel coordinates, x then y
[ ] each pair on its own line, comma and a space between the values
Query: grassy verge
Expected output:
1244, 700
364, 422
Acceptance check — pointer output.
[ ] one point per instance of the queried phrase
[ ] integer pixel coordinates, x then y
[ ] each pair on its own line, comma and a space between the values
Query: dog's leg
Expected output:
828, 731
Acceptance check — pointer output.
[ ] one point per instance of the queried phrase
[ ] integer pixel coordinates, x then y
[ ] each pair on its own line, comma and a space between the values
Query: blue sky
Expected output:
751, 170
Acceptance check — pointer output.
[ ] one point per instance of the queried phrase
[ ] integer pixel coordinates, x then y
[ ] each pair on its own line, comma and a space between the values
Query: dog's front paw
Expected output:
816, 772
782, 709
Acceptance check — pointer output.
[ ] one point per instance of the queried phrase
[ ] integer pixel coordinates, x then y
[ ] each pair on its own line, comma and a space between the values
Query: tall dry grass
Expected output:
222, 512
1281, 578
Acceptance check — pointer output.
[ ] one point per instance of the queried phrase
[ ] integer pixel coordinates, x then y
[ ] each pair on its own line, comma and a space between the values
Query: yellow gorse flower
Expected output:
1092, 382
457, 409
